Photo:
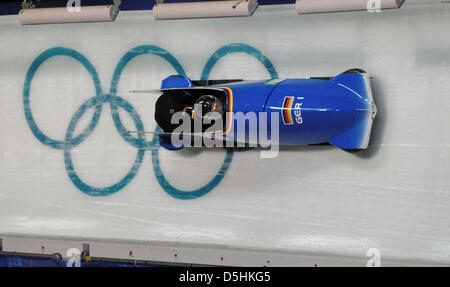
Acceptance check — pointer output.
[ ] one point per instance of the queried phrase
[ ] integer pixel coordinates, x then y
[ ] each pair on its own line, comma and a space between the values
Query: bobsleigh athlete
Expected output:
209, 108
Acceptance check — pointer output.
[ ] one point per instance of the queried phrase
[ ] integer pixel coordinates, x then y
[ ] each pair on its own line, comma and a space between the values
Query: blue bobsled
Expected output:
338, 110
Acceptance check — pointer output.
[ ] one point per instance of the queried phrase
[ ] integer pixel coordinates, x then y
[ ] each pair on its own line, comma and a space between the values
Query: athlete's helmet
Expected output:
211, 107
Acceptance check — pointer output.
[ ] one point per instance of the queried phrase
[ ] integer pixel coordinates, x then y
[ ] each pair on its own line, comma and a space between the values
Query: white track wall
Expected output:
310, 202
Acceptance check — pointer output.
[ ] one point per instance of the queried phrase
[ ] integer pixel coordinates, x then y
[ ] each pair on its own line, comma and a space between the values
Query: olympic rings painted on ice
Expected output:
115, 102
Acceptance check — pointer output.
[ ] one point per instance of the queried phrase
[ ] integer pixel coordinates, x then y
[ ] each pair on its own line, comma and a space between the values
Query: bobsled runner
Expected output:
337, 110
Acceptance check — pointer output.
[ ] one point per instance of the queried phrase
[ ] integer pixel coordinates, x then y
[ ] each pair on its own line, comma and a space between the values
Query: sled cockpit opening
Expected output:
208, 105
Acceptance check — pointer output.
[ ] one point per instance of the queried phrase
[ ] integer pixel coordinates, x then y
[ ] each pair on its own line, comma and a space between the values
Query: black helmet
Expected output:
208, 104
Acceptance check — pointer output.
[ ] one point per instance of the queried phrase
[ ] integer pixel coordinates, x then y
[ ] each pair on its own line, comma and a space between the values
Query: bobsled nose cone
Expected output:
357, 102
374, 110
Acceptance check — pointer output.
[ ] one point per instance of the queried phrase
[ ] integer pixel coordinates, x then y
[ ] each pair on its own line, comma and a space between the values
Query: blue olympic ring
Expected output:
59, 51
115, 102
67, 152
238, 48
130, 55
213, 59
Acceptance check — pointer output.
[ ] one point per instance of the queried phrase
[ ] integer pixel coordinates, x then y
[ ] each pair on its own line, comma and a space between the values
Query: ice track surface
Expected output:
68, 169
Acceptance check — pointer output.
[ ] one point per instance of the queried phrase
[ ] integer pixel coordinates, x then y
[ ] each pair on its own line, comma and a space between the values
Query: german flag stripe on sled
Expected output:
287, 106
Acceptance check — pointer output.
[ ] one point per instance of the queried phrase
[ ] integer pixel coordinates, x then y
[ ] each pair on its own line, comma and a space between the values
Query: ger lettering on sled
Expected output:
338, 110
